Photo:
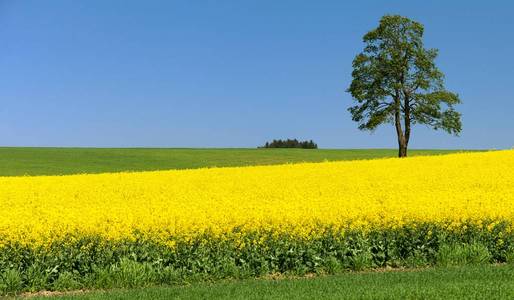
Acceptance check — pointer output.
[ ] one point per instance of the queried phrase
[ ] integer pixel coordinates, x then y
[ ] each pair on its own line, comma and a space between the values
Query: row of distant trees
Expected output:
289, 143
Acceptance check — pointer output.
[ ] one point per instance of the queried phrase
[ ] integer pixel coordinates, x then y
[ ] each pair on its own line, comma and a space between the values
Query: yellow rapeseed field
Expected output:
300, 199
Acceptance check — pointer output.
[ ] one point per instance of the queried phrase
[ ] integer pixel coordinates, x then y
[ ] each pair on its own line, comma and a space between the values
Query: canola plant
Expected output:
261, 219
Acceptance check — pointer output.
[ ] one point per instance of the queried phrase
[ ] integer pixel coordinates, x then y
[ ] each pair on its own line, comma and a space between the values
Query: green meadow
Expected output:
470, 282
15, 161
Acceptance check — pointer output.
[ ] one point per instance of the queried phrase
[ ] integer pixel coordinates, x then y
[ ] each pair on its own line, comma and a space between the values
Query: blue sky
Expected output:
234, 73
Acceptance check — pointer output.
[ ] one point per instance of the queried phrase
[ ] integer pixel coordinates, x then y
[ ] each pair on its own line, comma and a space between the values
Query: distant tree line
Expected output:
290, 144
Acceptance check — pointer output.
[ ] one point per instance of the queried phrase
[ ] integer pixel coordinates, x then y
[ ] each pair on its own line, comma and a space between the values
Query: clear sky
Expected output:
234, 73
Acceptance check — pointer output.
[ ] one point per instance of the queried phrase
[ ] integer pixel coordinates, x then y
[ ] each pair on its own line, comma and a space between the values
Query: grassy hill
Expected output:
52, 161
434, 283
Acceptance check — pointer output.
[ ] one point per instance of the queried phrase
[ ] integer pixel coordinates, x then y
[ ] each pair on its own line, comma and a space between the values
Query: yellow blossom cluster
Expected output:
297, 199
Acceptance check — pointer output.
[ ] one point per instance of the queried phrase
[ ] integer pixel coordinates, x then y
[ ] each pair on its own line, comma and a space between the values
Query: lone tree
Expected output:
395, 80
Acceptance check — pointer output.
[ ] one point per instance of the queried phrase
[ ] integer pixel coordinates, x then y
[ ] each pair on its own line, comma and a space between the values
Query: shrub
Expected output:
290, 143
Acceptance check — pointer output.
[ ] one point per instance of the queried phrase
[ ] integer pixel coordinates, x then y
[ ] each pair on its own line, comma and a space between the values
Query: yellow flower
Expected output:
299, 199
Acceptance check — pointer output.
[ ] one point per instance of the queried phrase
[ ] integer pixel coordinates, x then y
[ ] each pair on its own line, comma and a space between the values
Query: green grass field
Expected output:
51, 161
472, 282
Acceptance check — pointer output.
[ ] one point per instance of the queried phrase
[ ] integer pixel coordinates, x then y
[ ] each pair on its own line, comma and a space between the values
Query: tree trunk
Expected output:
406, 119
402, 148
402, 141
